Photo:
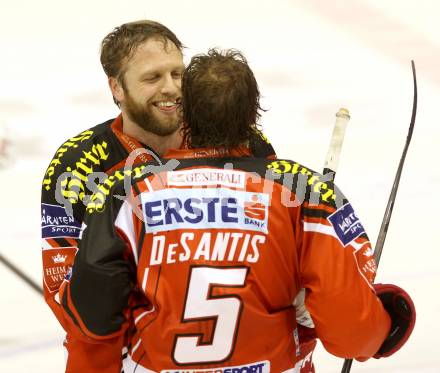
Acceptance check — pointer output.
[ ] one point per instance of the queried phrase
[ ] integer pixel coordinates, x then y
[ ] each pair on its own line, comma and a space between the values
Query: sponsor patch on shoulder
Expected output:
57, 263
258, 367
55, 222
346, 224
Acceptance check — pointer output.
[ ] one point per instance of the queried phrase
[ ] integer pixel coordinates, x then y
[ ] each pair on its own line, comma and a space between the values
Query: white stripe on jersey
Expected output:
145, 279
124, 222
320, 228
136, 320
136, 346
329, 231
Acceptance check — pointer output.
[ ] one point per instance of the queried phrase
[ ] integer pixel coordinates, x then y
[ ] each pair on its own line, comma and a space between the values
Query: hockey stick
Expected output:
390, 205
21, 274
334, 150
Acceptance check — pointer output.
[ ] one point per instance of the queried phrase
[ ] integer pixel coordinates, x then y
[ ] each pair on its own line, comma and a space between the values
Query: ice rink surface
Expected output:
310, 58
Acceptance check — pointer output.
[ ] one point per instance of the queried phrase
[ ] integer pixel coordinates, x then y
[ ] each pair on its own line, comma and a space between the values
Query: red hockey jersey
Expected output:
209, 255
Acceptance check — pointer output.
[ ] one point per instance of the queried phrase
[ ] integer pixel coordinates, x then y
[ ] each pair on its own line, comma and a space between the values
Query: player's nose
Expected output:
170, 86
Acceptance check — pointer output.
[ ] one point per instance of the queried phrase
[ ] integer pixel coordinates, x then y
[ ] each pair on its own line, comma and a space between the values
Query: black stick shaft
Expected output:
21, 274
390, 205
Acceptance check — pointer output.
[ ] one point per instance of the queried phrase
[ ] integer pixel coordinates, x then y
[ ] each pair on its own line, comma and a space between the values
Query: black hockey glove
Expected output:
400, 307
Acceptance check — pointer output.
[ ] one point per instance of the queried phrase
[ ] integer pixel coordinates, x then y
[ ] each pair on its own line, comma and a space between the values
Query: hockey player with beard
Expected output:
208, 257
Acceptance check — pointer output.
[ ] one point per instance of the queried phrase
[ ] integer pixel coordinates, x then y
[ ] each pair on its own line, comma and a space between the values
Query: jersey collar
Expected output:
215, 152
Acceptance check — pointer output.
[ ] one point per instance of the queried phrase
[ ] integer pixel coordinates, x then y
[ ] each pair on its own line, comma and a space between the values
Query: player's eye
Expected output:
177, 74
151, 78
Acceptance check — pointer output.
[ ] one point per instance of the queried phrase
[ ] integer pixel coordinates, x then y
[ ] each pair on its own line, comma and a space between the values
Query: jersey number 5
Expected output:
200, 305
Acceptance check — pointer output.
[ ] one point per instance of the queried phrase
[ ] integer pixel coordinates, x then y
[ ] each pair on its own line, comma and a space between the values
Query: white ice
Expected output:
310, 59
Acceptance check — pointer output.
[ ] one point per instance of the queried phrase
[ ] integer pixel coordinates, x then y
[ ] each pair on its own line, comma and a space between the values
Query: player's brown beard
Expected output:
147, 120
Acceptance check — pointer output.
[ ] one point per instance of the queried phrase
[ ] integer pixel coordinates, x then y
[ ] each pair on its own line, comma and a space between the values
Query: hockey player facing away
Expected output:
210, 255
143, 63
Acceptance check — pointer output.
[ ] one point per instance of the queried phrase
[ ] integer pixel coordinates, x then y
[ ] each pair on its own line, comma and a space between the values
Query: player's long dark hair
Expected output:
220, 100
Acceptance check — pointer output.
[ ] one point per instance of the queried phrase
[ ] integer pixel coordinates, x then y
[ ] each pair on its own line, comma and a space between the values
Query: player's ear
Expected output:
116, 88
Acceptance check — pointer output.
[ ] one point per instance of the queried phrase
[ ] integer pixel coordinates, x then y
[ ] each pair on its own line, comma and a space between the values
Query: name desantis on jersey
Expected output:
205, 208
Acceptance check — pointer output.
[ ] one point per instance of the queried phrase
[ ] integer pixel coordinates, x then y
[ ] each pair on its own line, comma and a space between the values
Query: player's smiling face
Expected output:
152, 87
